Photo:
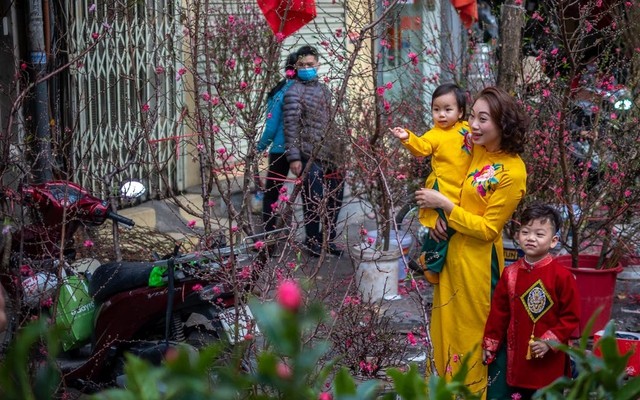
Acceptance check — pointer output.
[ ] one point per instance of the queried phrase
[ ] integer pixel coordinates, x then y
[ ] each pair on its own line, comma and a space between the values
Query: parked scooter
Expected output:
141, 308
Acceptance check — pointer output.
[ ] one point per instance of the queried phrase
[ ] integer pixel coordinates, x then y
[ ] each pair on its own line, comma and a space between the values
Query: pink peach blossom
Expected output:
289, 295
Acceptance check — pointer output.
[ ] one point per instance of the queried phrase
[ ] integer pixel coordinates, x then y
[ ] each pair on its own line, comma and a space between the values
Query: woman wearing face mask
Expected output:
273, 138
310, 137
495, 184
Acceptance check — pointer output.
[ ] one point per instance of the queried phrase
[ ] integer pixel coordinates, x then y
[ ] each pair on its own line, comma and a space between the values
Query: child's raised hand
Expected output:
400, 133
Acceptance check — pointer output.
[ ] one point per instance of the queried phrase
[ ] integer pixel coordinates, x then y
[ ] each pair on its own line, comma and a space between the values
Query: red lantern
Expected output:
287, 16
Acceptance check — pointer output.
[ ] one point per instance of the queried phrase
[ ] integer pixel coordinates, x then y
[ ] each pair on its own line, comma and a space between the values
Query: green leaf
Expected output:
343, 383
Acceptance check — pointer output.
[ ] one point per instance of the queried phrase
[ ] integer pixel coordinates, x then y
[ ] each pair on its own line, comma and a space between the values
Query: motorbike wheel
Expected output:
407, 220
248, 359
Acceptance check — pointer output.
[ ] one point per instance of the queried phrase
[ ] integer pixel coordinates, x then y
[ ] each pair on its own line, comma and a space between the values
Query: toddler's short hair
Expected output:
542, 213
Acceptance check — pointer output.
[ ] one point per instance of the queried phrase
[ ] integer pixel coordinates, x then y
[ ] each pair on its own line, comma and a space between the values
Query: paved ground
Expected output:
334, 276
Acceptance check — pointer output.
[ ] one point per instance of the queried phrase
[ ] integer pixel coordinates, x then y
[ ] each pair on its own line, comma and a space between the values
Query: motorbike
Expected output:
142, 308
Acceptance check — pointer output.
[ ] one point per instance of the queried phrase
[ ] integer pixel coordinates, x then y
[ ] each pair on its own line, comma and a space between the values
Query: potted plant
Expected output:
584, 141
382, 172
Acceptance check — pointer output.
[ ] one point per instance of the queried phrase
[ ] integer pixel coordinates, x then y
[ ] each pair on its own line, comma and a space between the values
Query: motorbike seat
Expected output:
115, 277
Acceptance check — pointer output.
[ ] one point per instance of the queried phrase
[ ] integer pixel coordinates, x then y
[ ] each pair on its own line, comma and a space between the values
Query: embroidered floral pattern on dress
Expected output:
484, 180
467, 144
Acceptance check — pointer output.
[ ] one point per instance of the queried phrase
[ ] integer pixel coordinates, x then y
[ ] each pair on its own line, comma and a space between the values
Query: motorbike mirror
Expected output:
132, 189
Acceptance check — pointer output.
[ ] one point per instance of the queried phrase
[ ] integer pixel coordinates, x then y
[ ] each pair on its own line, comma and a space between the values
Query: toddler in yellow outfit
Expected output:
450, 147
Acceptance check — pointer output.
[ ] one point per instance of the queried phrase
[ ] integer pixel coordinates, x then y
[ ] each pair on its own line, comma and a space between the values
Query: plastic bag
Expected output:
75, 311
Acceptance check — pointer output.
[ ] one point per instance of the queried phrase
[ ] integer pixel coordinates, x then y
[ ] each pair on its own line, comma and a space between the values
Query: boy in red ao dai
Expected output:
535, 303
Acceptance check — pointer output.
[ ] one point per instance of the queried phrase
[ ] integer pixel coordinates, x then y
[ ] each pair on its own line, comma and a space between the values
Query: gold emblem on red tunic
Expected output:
536, 300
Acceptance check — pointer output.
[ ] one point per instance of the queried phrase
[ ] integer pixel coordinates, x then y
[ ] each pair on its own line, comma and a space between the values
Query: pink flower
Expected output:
413, 57
245, 273
182, 71
26, 270
279, 37
363, 232
95, 35
325, 396
258, 245
516, 396
257, 70
159, 70
88, 243
23, 66
339, 32
197, 287
221, 151
380, 91
205, 96
191, 223
240, 105
291, 265
389, 85
234, 229
283, 371
145, 107
243, 85
47, 303
230, 63
289, 295
401, 177
283, 190
627, 193
370, 240
455, 358
386, 105
411, 339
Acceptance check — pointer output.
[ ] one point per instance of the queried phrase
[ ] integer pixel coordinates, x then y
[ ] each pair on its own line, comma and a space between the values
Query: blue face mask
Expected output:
307, 74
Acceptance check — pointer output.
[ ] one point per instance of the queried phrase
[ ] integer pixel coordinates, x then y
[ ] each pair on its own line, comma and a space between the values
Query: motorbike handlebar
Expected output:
120, 219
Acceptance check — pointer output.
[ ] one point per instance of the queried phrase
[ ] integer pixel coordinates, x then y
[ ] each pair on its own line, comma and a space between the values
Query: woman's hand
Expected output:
296, 167
400, 133
429, 198
439, 232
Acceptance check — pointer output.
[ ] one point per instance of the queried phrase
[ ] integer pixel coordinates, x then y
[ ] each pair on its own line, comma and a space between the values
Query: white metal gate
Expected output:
126, 97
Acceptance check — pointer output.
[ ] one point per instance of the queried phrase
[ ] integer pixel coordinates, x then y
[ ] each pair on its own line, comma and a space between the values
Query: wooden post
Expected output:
511, 26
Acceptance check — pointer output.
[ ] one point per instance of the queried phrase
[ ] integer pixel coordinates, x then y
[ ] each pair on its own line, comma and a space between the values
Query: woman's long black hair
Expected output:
290, 66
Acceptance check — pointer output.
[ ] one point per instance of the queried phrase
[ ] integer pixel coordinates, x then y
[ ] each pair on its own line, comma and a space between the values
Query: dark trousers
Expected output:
322, 193
276, 175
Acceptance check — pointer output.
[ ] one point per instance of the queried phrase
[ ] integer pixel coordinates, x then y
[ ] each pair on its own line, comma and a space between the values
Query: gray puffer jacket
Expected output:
306, 113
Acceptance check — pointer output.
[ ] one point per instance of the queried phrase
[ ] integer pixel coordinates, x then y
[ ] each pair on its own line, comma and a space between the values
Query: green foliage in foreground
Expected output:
288, 369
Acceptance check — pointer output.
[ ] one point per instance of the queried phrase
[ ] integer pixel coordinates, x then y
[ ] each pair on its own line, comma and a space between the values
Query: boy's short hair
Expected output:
307, 51
461, 96
543, 213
